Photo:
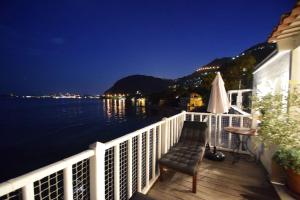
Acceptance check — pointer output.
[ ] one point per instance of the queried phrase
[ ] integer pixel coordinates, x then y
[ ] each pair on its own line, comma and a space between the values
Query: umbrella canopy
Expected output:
218, 101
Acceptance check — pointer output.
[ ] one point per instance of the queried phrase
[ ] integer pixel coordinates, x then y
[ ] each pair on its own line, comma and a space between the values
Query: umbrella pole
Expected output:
216, 130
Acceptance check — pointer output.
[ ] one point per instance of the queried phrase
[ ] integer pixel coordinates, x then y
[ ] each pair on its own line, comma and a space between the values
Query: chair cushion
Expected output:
183, 158
194, 132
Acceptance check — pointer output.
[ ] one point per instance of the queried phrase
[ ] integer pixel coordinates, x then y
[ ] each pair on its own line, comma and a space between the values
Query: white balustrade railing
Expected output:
121, 167
237, 97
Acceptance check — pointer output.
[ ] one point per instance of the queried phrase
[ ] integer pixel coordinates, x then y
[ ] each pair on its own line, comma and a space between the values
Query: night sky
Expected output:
84, 46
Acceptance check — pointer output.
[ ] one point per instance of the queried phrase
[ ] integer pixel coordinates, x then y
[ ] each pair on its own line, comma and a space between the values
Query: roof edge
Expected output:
272, 54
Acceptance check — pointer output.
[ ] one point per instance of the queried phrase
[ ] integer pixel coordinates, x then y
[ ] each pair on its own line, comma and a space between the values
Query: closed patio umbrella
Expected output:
218, 101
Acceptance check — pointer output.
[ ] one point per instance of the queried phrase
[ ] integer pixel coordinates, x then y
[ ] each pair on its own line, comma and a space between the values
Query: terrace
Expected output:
221, 180
119, 168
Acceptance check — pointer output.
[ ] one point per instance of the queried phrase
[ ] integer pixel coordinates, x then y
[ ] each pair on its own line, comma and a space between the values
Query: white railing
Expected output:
121, 167
236, 97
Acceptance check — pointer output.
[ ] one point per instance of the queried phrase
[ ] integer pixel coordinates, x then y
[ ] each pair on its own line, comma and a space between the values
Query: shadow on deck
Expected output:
217, 180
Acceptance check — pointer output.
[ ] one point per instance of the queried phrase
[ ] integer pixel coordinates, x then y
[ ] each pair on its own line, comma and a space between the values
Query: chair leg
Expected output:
161, 170
195, 183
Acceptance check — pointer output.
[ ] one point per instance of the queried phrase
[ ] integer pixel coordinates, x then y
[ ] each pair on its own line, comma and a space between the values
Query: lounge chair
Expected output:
187, 154
140, 196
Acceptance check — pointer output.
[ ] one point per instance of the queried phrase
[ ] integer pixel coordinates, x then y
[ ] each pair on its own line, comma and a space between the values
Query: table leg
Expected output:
235, 150
252, 154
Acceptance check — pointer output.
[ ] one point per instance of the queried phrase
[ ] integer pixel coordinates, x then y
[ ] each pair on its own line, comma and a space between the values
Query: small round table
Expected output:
240, 143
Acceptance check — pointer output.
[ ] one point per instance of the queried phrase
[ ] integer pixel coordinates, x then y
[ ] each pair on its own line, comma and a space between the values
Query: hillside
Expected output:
232, 69
142, 83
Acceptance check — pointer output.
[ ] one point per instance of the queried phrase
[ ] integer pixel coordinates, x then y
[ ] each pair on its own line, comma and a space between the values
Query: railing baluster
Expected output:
68, 183
28, 192
171, 133
229, 134
177, 129
159, 142
139, 162
192, 116
209, 129
154, 153
147, 156
174, 133
129, 174
97, 171
117, 172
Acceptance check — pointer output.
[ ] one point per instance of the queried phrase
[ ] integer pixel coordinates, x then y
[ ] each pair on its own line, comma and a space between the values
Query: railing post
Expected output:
117, 172
159, 142
171, 132
164, 135
220, 130
154, 153
229, 134
183, 118
28, 192
139, 163
192, 116
209, 129
239, 100
183, 114
230, 98
97, 172
129, 174
175, 130
68, 183
241, 125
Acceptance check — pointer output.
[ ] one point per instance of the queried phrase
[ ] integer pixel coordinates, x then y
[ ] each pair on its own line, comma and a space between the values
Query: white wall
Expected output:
272, 77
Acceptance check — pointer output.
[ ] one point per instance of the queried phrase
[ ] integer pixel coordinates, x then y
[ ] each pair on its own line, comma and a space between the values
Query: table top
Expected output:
241, 131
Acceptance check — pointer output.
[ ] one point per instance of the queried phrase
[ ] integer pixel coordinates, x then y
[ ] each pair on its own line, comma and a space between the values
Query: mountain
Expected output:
194, 79
141, 83
260, 51
231, 68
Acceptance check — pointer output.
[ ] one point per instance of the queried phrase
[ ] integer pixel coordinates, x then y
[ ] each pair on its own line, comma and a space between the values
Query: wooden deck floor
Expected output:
217, 180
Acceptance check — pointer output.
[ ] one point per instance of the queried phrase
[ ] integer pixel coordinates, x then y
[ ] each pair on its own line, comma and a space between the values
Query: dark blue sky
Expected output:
85, 46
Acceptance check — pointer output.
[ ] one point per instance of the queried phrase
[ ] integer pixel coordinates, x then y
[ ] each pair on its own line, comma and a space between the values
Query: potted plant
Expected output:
280, 126
289, 158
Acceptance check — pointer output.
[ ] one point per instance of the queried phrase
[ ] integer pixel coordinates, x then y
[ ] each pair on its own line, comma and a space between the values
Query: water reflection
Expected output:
140, 110
114, 109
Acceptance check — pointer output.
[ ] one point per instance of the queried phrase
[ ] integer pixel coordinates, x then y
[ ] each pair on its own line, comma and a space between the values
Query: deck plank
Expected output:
217, 180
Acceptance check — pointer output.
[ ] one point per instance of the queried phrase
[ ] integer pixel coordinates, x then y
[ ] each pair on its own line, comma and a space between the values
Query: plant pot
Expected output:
278, 173
293, 181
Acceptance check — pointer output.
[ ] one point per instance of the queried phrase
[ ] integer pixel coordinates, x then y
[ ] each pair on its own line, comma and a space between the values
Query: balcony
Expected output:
128, 164
217, 180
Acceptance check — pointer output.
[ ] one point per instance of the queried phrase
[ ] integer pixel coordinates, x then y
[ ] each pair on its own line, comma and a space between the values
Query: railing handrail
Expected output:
30, 177
212, 114
239, 91
123, 138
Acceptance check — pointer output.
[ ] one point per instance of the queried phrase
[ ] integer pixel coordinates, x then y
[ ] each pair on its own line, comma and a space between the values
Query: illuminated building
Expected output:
195, 101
